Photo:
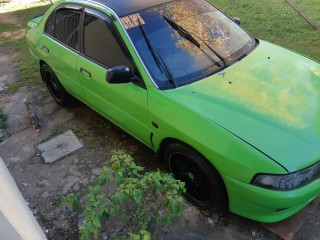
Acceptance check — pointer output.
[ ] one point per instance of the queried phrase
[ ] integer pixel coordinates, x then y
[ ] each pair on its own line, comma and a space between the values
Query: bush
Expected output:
139, 198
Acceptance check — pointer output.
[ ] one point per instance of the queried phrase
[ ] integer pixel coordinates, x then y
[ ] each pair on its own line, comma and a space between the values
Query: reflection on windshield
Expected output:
186, 61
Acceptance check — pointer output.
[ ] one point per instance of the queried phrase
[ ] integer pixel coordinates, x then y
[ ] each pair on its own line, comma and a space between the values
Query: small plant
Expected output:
3, 119
14, 87
139, 198
95, 143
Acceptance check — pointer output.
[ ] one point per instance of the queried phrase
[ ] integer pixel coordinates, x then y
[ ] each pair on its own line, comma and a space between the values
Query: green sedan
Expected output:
236, 118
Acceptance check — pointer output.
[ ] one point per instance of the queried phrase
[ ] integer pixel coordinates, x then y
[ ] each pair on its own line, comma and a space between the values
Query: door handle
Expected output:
44, 48
82, 70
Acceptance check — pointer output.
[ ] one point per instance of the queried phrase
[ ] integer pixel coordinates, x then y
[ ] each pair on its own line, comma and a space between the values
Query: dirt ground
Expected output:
42, 184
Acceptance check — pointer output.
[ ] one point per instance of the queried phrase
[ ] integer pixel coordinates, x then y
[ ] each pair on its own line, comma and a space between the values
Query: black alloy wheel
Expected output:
204, 185
54, 86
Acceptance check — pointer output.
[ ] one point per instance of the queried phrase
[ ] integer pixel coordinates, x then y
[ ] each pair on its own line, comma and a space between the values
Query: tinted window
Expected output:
67, 27
100, 43
50, 25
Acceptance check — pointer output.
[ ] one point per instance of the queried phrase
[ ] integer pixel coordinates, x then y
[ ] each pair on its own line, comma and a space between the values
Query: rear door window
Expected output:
66, 28
49, 29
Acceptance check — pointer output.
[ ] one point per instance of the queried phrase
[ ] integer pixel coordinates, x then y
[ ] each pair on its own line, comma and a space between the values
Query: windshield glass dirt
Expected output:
220, 40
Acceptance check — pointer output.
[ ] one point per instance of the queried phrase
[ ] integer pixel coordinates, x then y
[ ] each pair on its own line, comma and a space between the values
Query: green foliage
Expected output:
12, 88
123, 189
3, 119
95, 143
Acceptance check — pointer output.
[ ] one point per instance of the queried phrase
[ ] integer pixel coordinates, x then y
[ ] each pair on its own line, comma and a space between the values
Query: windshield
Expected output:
191, 37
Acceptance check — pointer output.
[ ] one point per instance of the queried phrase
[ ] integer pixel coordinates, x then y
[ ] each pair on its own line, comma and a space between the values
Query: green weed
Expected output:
140, 198
3, 119
95, 143
12, 88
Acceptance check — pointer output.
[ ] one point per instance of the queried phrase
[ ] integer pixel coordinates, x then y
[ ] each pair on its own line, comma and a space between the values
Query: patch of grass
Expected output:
95, 143
25, 15
8, 27
76, 129
311, 8
28, 70
3, 119
16, 5
12, 88
275, 21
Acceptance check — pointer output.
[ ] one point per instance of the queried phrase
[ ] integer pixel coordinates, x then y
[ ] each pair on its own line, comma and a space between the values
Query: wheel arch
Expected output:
166, 141
41, 62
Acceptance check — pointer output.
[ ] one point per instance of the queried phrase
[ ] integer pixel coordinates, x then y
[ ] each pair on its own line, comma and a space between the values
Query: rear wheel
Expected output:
204, 185
54, 86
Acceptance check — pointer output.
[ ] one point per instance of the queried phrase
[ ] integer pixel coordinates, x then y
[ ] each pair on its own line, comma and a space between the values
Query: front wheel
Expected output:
54, 86
204, 185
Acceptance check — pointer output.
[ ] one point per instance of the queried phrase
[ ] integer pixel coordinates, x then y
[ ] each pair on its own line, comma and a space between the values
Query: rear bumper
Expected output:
266, 205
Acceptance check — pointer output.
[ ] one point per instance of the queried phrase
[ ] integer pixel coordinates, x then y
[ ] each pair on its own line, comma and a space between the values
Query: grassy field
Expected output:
271, 20
275, 21
14, 35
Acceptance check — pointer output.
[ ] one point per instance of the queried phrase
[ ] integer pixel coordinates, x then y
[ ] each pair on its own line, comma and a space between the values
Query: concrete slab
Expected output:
59, 147
16, 219
287, 228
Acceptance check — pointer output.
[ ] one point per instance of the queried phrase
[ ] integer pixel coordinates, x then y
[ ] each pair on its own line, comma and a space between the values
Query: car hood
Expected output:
270, 99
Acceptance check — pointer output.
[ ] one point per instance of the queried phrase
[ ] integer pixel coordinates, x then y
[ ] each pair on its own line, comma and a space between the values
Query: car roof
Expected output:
126, 7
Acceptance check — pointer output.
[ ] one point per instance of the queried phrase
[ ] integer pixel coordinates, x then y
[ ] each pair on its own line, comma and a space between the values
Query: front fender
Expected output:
229, 154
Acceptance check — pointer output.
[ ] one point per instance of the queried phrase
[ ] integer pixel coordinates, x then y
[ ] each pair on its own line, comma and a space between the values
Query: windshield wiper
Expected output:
167, 71
185, 34
159, 61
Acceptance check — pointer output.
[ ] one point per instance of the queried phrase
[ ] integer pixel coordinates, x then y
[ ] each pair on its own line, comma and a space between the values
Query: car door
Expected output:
60, 46
123, 104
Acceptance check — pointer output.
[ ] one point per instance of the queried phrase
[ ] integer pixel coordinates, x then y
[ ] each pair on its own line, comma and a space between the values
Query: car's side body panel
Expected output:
63, 62
229, 154
123, 104
34, 36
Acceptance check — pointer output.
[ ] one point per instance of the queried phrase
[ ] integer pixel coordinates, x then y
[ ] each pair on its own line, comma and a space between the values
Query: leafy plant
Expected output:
3, 119
124, 190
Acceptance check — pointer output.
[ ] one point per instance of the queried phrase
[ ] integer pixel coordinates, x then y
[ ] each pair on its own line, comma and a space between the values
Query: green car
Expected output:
236, 118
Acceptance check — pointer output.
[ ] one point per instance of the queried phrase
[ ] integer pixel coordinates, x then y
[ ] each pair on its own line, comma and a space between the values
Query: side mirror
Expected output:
237, 20
119, 74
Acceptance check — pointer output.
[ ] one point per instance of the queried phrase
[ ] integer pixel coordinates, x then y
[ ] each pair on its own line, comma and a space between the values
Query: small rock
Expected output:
70, 182
25, 184
76, 187
43, 183
3, 135
45, 195
210, 221
84, 181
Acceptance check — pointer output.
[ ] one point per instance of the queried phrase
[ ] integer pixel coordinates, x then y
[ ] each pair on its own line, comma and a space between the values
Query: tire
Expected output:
204, 185
54, 86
